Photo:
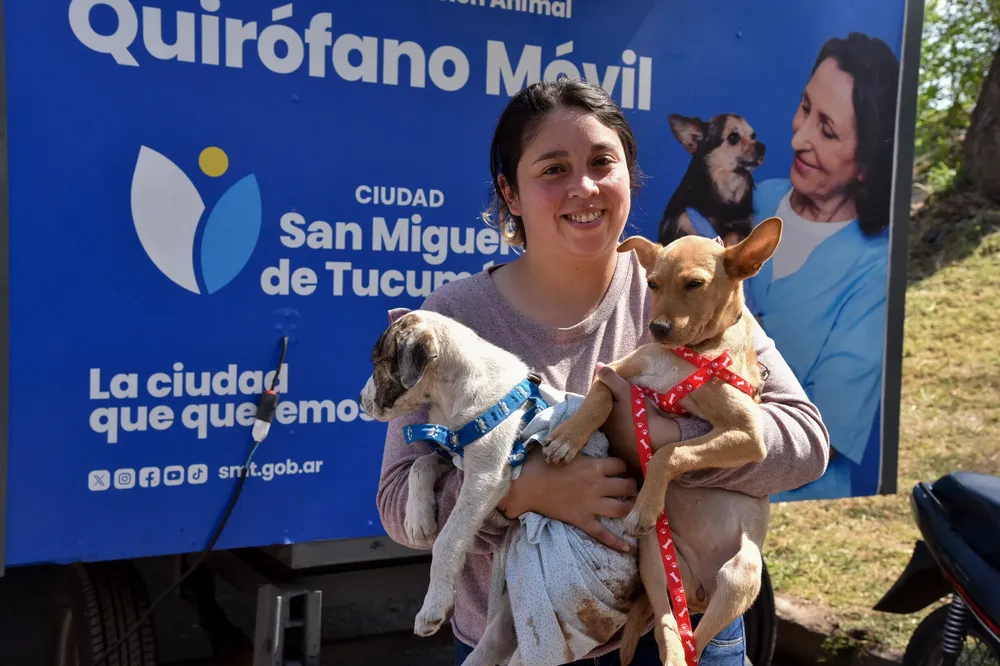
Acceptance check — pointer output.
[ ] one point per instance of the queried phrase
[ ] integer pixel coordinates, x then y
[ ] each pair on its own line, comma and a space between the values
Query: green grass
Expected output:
844, 554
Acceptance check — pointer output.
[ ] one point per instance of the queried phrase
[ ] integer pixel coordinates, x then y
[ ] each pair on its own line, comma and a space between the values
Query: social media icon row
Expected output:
147, 477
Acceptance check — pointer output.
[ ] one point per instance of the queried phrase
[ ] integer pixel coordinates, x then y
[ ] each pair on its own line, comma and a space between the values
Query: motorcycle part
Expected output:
925, 645
953, 635
920, 585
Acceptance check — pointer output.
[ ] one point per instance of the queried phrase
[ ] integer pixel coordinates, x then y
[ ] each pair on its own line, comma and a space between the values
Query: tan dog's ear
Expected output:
412, 356
744, 259
645, 248
689, 131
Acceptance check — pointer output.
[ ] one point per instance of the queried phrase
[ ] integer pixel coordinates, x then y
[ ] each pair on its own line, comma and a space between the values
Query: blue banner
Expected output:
189, 181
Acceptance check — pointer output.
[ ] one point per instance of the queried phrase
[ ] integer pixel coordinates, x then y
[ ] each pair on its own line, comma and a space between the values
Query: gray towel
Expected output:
567, 591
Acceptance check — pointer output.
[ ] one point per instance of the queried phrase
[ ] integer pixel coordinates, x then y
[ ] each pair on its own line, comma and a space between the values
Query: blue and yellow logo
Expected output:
167, 211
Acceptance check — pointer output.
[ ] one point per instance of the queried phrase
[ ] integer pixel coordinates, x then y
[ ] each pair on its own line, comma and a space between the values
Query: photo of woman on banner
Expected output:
822, 297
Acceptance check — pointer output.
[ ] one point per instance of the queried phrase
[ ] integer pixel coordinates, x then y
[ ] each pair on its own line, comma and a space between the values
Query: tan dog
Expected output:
697, 303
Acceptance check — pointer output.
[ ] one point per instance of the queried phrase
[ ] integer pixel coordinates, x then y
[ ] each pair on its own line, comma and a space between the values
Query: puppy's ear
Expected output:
744, 259
413, 353
645, 248
396, 313
689, 131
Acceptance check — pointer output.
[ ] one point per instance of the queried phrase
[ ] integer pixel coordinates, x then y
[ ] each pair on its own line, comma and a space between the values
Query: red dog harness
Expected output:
717, 367
670, 402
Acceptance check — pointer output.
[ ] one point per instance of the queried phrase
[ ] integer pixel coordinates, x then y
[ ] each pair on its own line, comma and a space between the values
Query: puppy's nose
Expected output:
760, 149
659, 329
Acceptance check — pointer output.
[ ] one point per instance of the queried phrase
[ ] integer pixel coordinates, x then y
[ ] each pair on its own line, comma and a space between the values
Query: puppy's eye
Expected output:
691, 285
733, 138
652, 285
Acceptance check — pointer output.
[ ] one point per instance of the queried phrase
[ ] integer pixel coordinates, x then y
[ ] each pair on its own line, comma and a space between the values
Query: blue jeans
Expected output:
726, 649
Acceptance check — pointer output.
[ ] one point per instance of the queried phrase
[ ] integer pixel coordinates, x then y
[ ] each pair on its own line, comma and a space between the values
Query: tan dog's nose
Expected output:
660, 330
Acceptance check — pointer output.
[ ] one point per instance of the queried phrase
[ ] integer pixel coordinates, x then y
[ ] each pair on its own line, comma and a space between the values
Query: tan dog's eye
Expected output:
652, 285
693, 284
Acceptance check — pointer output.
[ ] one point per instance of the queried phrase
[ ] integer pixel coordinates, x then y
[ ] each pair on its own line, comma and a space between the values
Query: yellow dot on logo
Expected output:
213, 161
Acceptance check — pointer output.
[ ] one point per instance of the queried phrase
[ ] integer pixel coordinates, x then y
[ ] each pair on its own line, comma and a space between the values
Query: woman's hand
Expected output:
619, 428
575, 493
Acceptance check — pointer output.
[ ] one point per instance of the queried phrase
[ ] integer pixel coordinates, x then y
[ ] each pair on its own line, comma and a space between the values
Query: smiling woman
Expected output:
564, 170
575, 180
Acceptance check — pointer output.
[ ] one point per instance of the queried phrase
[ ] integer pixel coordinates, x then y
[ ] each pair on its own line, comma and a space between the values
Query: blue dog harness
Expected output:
449, 442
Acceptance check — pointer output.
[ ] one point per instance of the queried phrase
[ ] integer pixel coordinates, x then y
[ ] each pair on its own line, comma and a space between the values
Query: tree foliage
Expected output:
959, 40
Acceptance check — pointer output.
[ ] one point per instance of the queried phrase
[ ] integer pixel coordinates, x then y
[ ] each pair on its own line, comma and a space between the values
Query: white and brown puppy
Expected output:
581, 596
427, 359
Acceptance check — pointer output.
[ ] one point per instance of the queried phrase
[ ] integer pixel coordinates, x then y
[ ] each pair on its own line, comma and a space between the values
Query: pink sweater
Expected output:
796, 439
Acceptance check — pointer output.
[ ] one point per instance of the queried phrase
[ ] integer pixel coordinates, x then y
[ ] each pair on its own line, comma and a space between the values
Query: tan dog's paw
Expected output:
637, 525
431, 616
559, 452
562, 445
420, 521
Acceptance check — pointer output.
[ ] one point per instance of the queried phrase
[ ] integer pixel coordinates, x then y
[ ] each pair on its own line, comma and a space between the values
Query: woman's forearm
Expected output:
797, 441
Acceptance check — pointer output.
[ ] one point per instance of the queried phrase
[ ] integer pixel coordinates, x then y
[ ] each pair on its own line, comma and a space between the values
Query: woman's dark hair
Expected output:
875, 71
516, 127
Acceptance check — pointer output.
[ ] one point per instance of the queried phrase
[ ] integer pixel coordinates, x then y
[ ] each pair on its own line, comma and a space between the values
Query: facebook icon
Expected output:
149, 477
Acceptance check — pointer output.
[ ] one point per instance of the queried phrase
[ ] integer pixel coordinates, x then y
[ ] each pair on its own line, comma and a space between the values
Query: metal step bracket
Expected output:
288, 630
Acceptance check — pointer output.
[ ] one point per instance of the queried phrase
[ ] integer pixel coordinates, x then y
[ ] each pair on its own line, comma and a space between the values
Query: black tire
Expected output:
96, 604
760, 622
924, 647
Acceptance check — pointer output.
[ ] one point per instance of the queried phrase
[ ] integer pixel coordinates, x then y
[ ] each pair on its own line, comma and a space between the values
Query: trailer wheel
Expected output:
760, 622
95, 605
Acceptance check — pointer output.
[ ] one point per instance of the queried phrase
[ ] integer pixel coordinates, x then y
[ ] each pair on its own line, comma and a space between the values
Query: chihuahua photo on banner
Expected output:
715, 196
